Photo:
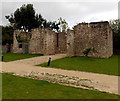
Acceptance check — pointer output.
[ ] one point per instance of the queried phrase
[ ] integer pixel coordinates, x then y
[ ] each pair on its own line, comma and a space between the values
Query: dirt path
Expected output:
38, 60
102, 82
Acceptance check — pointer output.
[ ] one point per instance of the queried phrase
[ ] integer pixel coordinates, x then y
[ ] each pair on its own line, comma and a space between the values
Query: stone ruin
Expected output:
40, 41
97, 35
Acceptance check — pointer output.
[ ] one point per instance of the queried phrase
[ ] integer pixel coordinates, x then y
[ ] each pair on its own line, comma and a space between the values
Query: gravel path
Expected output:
39, 59
102, 82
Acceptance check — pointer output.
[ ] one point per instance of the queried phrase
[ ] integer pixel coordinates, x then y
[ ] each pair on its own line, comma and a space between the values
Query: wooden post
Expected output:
49, 61
2, 57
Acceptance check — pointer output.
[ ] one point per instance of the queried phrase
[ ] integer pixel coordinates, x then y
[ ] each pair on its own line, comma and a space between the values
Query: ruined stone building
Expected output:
97, 35
39, 41
86, 35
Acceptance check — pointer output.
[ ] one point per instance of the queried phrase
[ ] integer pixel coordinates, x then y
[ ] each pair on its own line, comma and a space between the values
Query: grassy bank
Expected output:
15, 87
87, 64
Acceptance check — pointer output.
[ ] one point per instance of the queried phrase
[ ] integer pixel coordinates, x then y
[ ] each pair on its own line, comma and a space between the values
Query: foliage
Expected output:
21, 39
59, 26
39, 21
7, 35
55, 26
115, 25
24, 18
87, 64
15, 87
88, 50
63, 25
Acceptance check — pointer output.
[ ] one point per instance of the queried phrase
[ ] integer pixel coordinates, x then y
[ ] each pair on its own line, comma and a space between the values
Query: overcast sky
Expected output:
74, 12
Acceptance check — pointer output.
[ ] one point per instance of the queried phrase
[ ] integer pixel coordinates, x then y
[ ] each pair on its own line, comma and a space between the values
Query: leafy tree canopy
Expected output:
115, 25
63, 24
7, 35
25, 18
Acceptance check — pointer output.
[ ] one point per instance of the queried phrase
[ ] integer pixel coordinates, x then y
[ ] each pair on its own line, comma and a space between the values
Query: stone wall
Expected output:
49, 42
61, 42
16, 48
7, 48
70, 43
40, 41
25, 37
81, 40
97, 35
110, 42
102, 39
37, 41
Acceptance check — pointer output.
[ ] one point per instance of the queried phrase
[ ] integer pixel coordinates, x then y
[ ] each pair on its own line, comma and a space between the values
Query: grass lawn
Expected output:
87, 64
15, 87
14, 56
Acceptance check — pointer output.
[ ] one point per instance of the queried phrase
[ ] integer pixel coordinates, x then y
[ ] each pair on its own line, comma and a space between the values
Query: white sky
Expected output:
74, 12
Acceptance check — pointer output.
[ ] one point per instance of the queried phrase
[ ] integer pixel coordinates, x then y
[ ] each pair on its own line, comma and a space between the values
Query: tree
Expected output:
115, 25
39, 21
24, 18
60, 25
55, 26
51, 25
63, 25
7, 35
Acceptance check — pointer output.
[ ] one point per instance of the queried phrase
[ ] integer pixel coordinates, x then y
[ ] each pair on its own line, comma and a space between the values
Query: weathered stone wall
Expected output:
49, 42
36, 43
81, 40
42, 42
70, 43
16, 48
16, 41
110, 41
96, 35
7, 48
101, 39
61, 42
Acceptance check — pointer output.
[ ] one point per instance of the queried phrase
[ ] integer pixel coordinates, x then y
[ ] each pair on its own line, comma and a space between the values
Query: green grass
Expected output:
15, 87
14, 56
87, 64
